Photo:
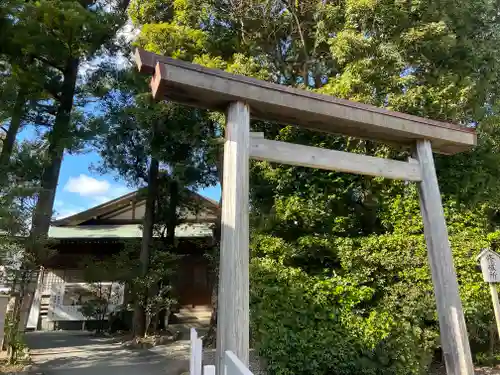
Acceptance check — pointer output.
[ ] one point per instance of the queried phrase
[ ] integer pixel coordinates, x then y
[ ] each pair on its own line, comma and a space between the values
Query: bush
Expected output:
374, 313
297, 330
310, 325
14, 340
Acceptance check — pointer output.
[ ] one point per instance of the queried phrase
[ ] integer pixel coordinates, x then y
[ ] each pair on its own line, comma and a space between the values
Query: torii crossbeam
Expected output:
241, 97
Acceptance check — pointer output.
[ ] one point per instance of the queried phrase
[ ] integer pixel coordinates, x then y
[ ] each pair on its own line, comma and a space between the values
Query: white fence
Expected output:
196, 356
232, 364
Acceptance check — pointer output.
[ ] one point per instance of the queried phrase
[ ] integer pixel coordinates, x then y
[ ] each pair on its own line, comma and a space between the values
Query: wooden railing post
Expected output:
233, 297
453, 332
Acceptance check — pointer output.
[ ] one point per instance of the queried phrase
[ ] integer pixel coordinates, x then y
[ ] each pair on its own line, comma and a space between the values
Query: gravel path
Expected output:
78, 353
70, 353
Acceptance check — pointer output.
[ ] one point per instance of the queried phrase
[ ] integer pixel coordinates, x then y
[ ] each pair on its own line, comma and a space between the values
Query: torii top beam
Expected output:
198, 86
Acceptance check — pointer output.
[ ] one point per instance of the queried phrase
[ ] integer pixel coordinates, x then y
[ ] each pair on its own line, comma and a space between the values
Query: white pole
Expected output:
496, 304
198, 359
192, 355
233, 297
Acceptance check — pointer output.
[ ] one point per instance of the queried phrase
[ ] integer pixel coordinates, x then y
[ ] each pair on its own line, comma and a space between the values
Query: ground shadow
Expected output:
80, 353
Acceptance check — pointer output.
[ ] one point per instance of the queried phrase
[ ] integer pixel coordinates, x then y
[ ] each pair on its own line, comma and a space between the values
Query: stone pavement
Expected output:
80, 353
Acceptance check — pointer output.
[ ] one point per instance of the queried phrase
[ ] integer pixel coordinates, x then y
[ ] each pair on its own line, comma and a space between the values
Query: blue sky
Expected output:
81, 188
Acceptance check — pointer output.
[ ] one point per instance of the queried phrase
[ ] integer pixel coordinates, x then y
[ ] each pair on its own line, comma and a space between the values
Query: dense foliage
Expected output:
374, 313
373, 292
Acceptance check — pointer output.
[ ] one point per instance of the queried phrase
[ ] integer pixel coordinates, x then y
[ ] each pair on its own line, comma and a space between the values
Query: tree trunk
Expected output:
15, 124
210, 338
211, 335
12, 339
147, 320
36, 246
173, 203
139, 323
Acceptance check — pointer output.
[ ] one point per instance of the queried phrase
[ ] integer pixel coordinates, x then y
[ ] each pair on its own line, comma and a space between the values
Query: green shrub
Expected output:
298, 326
310, 325
374, 313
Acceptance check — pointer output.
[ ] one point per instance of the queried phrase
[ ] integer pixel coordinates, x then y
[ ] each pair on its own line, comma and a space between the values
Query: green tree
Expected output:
17, 204
58, 36
149, 145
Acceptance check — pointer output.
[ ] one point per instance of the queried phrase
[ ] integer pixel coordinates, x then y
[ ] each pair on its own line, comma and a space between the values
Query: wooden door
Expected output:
194, 282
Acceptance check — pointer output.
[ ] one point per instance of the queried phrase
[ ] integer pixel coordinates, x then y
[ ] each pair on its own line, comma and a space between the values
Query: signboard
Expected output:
56, 296
66, 299
490, 266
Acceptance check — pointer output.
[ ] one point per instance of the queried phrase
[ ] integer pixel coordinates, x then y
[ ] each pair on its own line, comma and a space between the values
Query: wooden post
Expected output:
453, 332
496, 305
233, 297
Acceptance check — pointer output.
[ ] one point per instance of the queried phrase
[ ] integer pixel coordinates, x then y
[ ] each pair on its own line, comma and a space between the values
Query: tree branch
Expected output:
47, 62
305, 65
51, 91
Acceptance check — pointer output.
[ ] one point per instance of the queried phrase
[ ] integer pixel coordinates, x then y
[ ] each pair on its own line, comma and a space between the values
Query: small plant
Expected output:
98, 306
16, 347
96, 309
158, 284
155, 304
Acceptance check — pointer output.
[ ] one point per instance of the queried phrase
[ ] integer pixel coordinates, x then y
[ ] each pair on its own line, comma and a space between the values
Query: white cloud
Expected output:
91, 192
87, 186
115, 192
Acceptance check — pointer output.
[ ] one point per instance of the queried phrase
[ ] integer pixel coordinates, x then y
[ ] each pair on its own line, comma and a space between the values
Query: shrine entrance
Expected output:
241, 97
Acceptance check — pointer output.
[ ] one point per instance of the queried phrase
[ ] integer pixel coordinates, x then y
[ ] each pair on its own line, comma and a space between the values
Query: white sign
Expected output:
490, 265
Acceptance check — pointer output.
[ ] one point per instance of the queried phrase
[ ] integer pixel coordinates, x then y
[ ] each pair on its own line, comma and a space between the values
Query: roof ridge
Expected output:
115, 204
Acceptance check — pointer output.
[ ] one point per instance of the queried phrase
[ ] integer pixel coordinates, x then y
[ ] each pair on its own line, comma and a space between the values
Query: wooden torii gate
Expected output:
241, 97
